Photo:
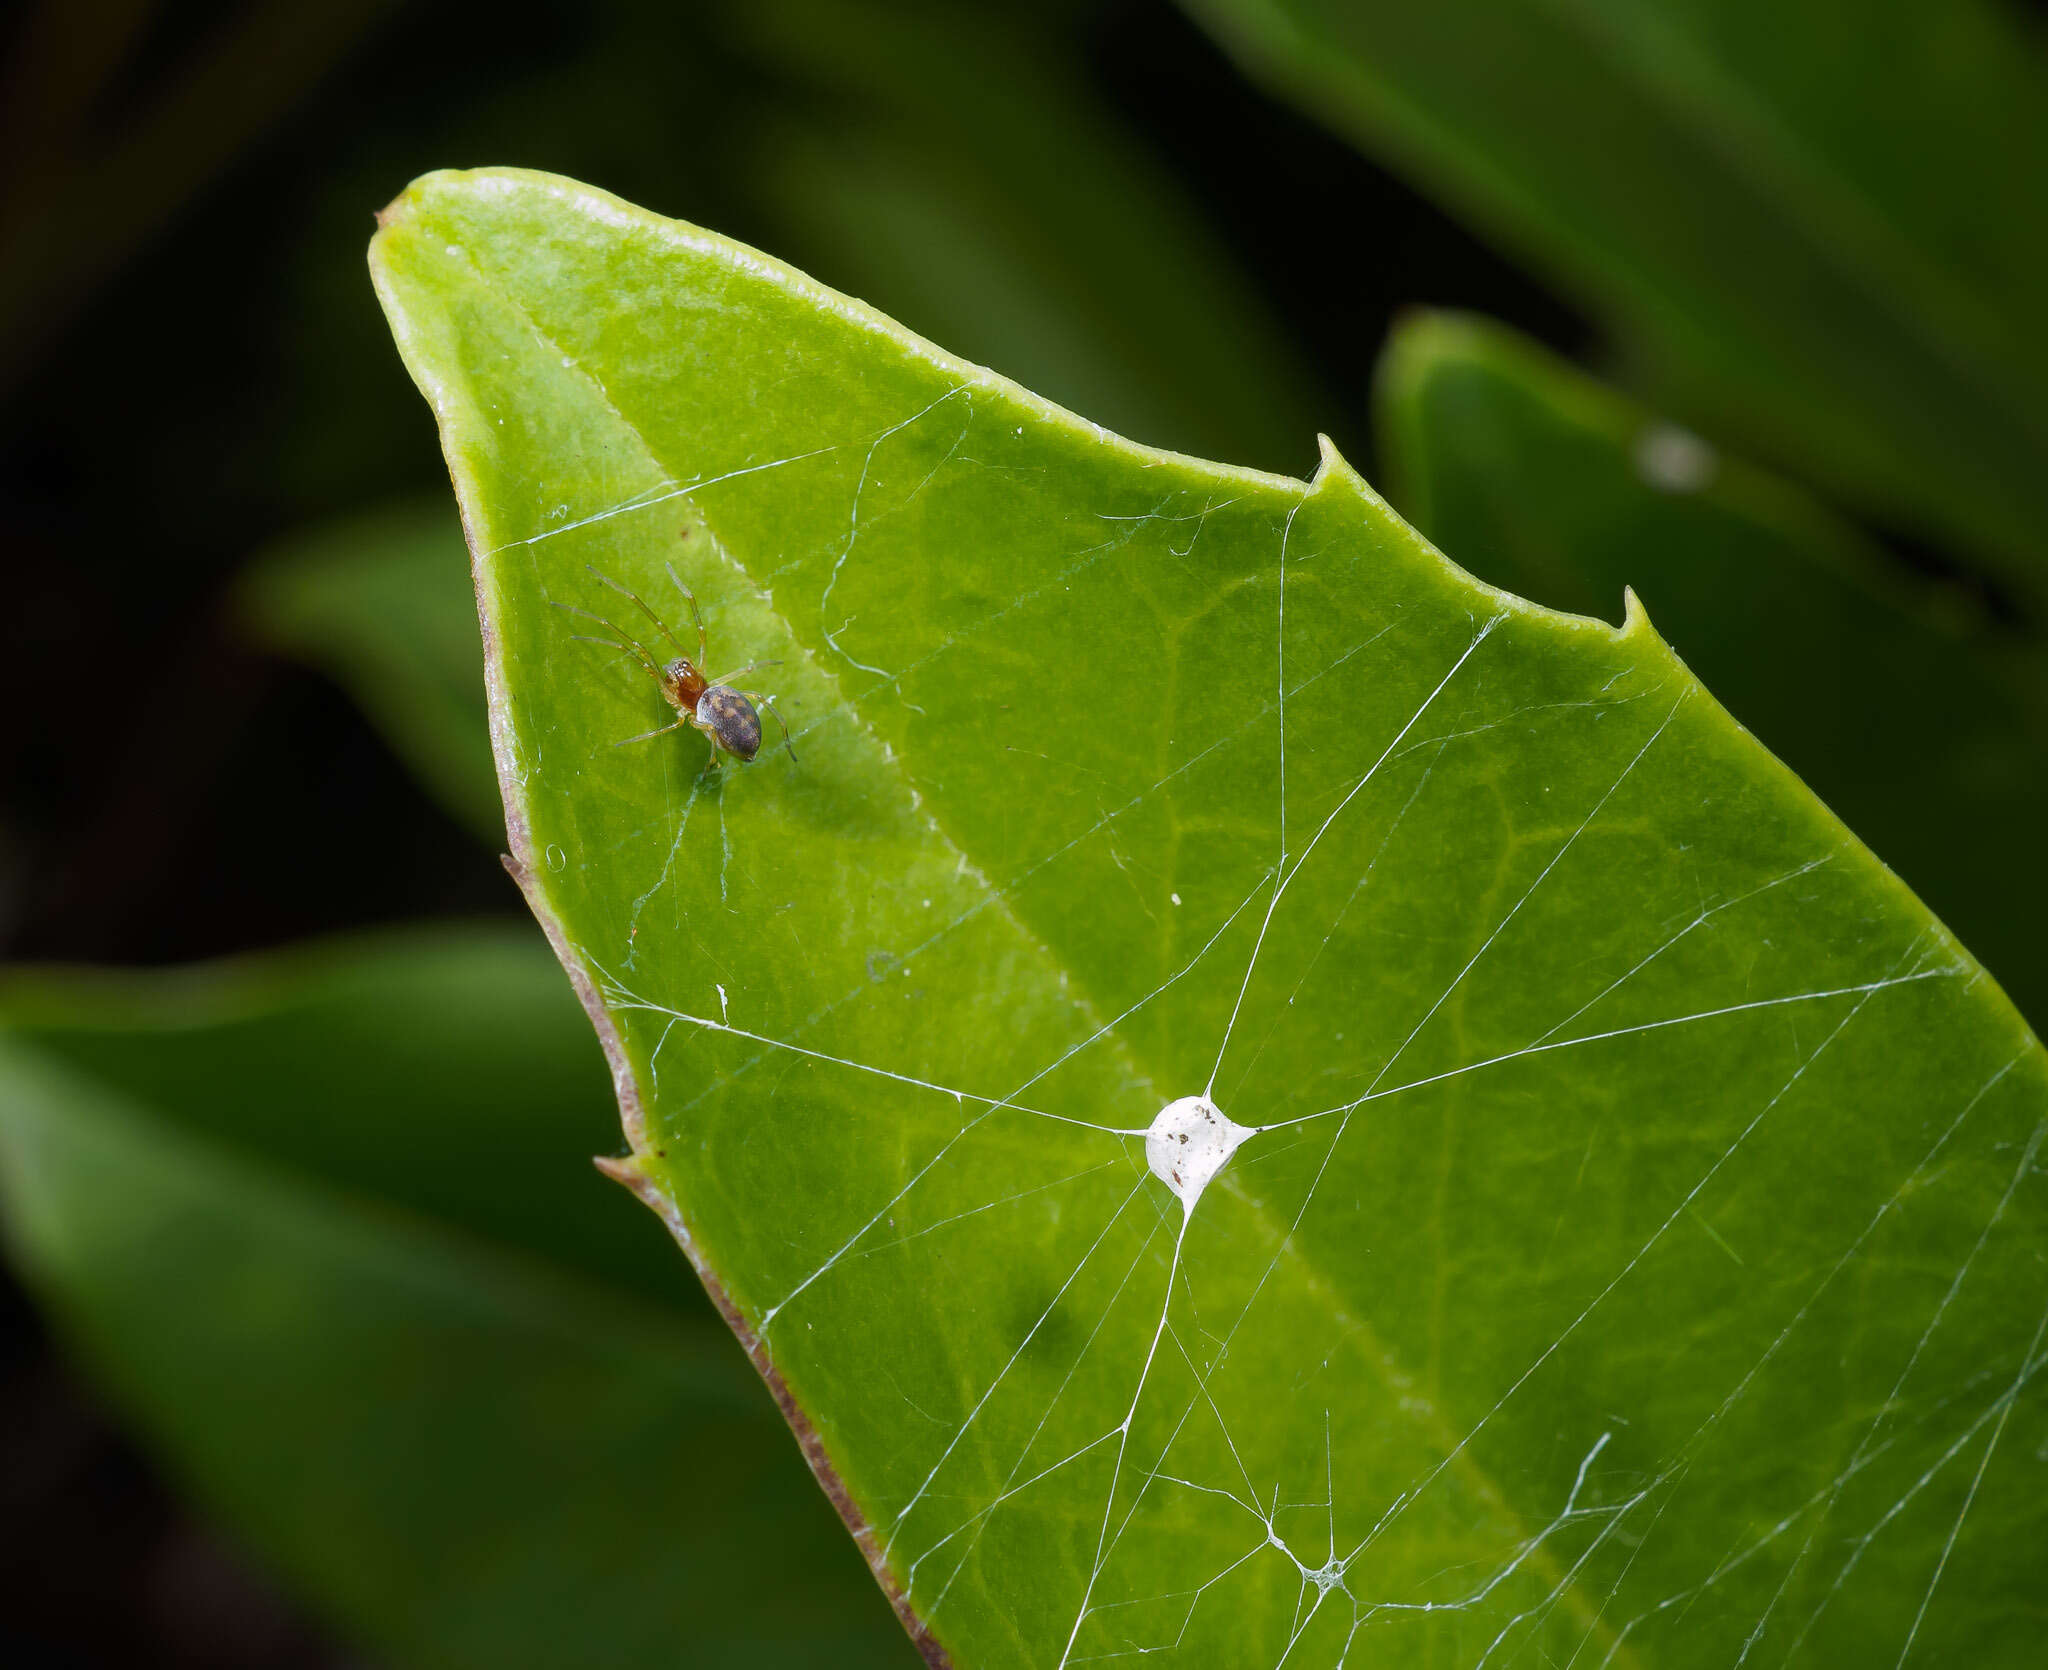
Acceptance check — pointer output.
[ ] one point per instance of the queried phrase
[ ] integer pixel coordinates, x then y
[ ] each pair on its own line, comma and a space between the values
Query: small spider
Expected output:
711, 705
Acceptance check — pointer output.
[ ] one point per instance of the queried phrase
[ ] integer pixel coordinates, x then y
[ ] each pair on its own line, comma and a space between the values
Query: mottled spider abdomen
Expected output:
730, 718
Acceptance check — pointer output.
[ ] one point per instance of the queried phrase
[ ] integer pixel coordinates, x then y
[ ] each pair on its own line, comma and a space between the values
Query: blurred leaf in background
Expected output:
953, 166
80, 192
1815, 229
382, 603
1919, 721
325, 1225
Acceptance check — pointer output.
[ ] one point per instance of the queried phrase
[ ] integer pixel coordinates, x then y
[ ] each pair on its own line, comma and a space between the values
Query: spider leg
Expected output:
741, 672
632, 646
710, 735
641, 603
624, 649
696, 613
769, 703
661, 730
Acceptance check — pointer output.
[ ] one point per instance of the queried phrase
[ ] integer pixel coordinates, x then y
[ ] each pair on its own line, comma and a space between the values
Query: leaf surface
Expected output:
1636, 1244
1764, 200
1924, 726
322, 1226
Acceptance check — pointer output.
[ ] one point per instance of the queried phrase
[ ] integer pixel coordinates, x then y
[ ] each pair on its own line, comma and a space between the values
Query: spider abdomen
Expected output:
731, 720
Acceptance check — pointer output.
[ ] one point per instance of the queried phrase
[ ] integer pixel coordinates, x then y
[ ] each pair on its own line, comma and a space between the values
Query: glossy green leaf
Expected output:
1636, 1248
381, 602
324, 1225
1924, 727
1816, 225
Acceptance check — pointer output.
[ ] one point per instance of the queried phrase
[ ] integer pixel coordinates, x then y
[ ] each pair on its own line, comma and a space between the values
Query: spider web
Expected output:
1087, 1425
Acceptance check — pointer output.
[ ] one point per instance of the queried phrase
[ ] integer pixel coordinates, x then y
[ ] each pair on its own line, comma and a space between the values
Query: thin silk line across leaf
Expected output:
1335, 1570
1122, 1430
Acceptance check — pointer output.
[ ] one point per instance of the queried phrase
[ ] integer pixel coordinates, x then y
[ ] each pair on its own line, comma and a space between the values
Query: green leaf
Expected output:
1638, 1242
324, 1226
1919, 723
381, 602
1816, 226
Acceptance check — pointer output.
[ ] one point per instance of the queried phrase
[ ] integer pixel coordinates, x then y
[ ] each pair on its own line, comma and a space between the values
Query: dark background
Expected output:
194, 366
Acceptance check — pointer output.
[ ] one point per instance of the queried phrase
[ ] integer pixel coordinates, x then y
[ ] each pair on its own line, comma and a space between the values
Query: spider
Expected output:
711, 705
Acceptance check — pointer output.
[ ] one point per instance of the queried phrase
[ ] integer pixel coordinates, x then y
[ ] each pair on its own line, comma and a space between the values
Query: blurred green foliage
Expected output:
324, 1224
382, 603
1816, 226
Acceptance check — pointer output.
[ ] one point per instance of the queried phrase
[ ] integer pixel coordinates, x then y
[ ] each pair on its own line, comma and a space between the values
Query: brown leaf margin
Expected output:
631, 1172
